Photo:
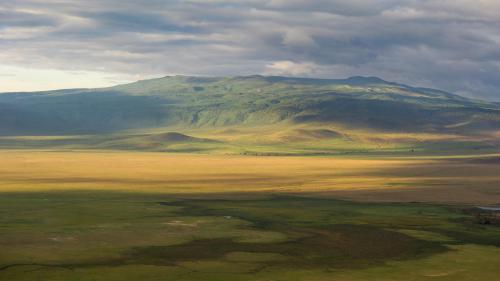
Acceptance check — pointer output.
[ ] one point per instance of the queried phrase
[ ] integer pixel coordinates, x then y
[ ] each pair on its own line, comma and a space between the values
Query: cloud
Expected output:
11, 19
448, 44
290, 68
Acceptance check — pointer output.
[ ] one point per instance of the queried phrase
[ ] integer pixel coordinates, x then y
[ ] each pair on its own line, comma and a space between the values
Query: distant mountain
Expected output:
212, 102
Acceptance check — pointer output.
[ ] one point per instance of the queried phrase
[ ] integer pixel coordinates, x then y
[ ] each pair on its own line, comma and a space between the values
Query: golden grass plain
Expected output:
468, 180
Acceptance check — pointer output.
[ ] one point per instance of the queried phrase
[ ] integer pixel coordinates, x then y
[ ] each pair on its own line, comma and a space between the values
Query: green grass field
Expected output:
153, 216
281, 139
139, 236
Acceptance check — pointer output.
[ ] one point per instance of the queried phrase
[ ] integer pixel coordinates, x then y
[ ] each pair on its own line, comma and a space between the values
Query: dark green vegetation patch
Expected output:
75, 234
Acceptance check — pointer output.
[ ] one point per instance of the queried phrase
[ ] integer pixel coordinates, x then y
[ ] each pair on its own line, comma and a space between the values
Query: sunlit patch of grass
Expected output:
283, 138
431, 179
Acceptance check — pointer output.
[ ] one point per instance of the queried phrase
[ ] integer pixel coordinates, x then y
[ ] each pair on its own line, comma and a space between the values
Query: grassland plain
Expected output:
442, 179
138, 236
107, 215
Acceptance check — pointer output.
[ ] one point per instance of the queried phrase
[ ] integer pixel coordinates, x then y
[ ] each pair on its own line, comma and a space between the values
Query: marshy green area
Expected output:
109, 236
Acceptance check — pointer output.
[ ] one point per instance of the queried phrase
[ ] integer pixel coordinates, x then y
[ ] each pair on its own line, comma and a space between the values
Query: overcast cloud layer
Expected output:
448, 44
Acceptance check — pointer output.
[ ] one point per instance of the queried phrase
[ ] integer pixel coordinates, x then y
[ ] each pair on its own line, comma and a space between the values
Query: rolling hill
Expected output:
292, 110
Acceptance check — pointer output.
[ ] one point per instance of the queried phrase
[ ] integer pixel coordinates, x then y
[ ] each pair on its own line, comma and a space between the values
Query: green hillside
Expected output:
208, 104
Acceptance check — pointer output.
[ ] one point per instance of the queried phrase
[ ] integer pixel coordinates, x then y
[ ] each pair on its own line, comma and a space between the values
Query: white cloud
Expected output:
291, 68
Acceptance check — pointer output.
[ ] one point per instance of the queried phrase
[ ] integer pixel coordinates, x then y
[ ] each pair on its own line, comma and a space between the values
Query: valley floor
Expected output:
444, 179
107, 215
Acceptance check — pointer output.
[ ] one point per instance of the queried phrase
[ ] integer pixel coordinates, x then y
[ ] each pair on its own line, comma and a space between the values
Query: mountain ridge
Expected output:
194, 101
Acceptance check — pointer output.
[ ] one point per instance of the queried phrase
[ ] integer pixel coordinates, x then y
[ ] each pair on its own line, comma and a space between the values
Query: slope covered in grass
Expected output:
362, 102
251, 115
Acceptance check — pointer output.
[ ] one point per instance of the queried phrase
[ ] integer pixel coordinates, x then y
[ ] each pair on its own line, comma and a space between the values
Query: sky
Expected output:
453, 45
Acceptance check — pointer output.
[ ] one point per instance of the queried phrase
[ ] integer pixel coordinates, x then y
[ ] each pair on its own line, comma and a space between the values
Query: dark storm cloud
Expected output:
449, 44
